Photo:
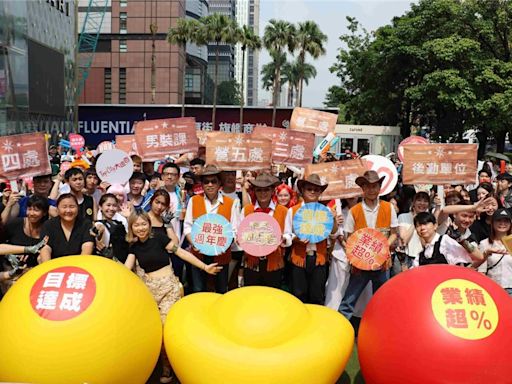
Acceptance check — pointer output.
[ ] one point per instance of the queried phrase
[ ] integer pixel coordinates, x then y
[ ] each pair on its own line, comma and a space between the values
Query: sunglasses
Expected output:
210, 181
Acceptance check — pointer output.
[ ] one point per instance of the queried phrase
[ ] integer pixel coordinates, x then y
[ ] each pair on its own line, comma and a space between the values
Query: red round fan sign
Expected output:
367, 249
63, 293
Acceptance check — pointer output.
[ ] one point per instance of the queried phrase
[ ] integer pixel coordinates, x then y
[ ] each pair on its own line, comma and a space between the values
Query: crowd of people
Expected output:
147, 226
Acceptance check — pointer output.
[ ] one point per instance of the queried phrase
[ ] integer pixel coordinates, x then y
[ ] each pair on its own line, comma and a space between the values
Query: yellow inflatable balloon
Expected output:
79, 319
256, 335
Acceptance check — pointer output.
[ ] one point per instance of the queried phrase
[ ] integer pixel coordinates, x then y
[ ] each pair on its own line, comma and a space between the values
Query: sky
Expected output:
330, 16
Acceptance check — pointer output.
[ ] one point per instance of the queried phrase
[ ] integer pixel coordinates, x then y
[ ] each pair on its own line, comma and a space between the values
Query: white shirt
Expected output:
212, 208
451, 250
499, 271
413, 247
370, 216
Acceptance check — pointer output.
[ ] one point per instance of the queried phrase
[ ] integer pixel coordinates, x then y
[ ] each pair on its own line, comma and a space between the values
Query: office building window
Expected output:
123, 17
123, 3
122, 85
107, 89
122, 45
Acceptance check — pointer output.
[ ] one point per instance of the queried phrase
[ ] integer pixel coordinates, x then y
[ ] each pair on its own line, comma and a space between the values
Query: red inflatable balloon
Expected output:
437, 324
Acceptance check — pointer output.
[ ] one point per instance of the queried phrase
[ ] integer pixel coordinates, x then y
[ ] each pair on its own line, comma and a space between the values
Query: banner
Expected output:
158, 138
127, 143
234, 151
367, 249
312, 121
288, 147
341, 177
440, 164
24, 156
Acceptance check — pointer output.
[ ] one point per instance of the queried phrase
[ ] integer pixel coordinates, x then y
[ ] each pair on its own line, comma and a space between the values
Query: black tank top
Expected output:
437, 256
87, 208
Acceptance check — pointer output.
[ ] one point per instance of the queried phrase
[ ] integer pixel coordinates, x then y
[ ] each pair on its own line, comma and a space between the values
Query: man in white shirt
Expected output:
212, 201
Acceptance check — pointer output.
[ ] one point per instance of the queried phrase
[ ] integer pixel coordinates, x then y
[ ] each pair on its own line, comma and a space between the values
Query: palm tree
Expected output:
279, 34
304, 72
290, 77
268, 71
309, 39
247, 39
222, 30
185, 31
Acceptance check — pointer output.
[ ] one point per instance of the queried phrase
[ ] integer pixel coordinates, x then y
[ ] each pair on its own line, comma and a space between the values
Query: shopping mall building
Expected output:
37, 66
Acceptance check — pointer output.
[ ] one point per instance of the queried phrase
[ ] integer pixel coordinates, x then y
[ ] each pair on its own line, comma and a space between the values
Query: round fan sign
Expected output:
259, 234
212, 234
409, 140
384, 167
114, 166
313, 222
367, 249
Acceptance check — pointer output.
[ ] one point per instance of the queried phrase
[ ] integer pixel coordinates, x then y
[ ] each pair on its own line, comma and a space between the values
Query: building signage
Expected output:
60, 5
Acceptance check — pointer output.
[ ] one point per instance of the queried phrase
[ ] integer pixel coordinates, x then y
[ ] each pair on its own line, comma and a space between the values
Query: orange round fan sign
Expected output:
367, 249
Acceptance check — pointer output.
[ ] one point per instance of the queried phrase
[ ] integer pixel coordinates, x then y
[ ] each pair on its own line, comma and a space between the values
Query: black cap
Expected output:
502, 213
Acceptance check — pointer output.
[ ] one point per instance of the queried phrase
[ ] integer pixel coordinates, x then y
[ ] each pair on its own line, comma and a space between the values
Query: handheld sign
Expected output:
114, 166
367, 249
76, 141
212, 234
409, 140
313, 222
259, 234
105, 146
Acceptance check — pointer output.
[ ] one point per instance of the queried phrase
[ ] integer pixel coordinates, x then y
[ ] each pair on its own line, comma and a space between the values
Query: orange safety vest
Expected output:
299, 248
383, 216
224, 209
275, 259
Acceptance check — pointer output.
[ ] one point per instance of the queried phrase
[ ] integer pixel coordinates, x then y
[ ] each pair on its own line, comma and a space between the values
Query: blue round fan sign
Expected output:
313, 222
212, 234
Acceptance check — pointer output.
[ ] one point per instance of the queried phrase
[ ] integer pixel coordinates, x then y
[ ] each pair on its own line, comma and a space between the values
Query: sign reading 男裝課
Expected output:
60, 5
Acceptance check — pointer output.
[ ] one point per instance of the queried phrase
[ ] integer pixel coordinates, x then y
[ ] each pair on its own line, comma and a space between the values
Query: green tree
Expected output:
186, 31
294, 73
309, 39
219, 29
278, 36
268, 71
248, 40
228, 93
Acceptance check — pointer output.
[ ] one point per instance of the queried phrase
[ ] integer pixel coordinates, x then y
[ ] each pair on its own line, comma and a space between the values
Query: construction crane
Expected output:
89, 39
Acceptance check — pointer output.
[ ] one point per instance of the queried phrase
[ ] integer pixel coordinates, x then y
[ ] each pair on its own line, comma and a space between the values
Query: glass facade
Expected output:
37, 66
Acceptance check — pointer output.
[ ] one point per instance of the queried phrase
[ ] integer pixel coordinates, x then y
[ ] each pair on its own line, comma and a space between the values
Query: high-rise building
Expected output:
248, 13
226, 69
134, 63
37, 66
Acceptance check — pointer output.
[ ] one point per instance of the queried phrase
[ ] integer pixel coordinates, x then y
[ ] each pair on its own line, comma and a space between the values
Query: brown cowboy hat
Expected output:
312, 179
369, 177
264, 181
211, 170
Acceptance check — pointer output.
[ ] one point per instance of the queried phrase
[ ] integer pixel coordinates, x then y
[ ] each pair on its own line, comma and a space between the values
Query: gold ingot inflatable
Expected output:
256, 335
79, 319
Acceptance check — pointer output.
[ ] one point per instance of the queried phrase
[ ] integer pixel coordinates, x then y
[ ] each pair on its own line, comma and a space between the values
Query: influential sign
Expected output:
288, 147
341, 176
158, 138
367, 249
114, 167
465, 309
313, 222
409, 140
384, 167
312, 121
63, 293
440, 164
212, 234
234, 151
259, 234
24, 156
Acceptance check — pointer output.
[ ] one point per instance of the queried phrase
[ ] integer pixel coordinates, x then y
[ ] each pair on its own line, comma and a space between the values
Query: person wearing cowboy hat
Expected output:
211, 201
371, 212
268, 270
309, 261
